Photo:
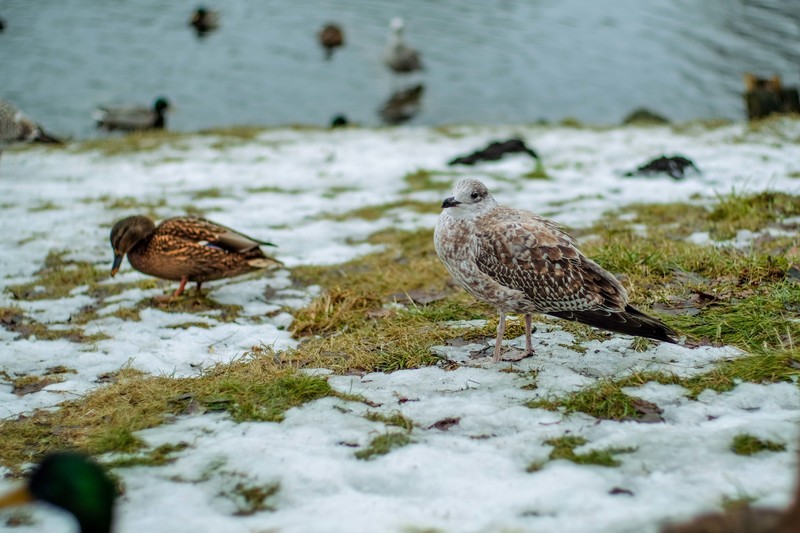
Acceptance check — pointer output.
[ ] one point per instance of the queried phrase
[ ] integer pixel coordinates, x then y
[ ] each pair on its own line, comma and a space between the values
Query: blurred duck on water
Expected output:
132, 117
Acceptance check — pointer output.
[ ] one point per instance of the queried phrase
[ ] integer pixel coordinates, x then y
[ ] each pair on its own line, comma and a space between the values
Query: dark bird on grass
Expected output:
495, 151
400, 57
133, 117
15, 127
675, 166
331, 37
402, 105
186, 249
74, 483
204, 20
339, 121
522, 263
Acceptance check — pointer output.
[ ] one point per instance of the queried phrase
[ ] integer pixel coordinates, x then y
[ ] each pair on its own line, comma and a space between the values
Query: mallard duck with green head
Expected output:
74, 483
186, 249
132, 117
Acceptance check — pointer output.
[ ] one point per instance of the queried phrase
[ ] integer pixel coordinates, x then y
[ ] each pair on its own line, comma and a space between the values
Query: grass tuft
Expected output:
395, 419
159, 456
748, 445
383, 444
564, 448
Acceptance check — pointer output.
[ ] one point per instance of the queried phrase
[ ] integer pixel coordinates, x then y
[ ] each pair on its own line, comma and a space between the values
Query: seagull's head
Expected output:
397, 24
470, 198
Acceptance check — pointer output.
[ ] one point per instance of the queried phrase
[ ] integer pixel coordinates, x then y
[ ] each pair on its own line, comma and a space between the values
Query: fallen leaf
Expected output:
619, 490
445, 423
650, 412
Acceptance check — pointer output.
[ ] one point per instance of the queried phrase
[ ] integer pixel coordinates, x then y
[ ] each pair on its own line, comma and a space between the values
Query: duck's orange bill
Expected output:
20, 496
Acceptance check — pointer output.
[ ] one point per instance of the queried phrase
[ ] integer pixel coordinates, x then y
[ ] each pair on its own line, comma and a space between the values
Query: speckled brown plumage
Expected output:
522, 263
186, 249
16, 127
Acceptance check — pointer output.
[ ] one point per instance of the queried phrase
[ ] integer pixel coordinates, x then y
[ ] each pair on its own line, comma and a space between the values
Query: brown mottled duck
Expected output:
186, 249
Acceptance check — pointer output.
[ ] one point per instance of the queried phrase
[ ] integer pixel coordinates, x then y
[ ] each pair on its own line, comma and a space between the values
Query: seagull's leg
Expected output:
199, 292
528, 329
501, 329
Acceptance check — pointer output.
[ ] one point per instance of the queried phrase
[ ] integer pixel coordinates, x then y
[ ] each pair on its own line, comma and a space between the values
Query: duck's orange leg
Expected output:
182, 286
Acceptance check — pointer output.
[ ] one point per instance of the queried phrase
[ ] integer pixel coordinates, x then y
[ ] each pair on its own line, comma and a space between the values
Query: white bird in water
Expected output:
400, 57
522, 263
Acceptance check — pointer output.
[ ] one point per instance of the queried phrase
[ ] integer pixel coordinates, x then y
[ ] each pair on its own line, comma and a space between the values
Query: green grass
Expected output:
748, 445
158, 456
252, 498
57, 278
429, 180
375, 212
250, 389
564, 448
395, 419
606, 399
383, 444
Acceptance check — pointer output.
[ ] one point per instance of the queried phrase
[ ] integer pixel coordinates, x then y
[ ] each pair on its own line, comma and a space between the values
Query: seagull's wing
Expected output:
531, 254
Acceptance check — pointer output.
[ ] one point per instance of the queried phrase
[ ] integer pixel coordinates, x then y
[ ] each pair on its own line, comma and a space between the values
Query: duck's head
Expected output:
74, 483
161, 104
125, 234
397, 24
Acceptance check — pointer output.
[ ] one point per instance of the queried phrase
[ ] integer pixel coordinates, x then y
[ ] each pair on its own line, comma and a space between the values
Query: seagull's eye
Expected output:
474, 196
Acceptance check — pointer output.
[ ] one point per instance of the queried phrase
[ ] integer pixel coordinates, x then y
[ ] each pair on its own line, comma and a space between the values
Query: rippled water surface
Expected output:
493, 61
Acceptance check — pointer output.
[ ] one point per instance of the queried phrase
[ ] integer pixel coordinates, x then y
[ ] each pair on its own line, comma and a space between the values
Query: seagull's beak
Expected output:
117, 262
450, 202
19, 496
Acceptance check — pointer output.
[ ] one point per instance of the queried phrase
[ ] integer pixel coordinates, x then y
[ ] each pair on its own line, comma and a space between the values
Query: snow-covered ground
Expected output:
469, 477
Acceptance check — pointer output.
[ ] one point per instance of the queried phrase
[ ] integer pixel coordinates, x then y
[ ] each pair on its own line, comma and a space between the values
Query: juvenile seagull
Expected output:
400, 57
522, 263
16, 127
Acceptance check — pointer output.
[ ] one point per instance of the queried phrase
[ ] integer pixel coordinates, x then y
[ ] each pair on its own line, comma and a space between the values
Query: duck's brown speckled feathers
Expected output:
187, 249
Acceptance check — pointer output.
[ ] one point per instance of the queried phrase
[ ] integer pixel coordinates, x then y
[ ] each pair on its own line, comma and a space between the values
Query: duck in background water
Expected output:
400, 57
204, 20
132, 118
330, 37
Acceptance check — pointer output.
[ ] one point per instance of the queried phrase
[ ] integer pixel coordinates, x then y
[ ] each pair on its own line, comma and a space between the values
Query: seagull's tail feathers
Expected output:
631, 321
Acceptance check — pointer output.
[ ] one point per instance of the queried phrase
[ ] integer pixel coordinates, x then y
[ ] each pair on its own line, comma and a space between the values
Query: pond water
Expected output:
489, 61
